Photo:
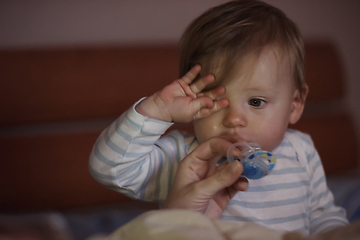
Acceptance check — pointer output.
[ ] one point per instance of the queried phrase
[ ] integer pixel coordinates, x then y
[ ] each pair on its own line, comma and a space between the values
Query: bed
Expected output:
55, 102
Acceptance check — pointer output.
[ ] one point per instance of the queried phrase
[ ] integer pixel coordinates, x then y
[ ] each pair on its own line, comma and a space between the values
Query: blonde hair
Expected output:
218, 38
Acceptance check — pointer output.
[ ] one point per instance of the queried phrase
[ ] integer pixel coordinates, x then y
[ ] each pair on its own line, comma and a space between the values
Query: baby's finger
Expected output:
200, 84
204, 112
213, 94
198, 104
191, 75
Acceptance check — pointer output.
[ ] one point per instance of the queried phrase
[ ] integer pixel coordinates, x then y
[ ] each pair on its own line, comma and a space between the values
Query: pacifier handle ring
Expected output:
229, 156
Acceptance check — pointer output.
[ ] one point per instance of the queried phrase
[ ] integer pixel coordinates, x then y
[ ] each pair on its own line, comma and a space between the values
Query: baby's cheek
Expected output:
199, 131
205, 130
273, 139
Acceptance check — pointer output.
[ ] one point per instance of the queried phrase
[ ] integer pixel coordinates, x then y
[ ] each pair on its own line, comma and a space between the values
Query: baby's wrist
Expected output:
153, 107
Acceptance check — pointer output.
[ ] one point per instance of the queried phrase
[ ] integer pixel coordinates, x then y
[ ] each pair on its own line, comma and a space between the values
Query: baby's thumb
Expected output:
222, 179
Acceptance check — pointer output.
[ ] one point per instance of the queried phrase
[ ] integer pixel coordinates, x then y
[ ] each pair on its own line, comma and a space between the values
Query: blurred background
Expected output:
64, 70
44, 24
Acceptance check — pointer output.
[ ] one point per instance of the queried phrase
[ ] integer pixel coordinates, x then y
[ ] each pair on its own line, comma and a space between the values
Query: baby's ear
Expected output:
298, 103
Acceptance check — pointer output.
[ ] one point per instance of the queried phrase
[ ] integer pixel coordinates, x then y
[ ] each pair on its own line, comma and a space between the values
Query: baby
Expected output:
241, 72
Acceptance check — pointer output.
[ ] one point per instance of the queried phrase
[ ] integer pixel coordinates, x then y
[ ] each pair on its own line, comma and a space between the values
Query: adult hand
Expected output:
201, 186
184, 100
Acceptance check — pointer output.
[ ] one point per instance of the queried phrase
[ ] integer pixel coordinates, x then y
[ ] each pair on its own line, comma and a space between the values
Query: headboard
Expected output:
55, 102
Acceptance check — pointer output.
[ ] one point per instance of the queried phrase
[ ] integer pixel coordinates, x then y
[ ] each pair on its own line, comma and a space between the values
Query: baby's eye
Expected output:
256, 102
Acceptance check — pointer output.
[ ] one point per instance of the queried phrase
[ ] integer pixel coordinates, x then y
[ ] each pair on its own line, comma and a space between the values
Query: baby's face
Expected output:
262, 97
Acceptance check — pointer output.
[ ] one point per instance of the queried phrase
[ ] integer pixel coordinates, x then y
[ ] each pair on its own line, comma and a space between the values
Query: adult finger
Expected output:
222, 179
211, 150
196, 165
201, 160
241, 184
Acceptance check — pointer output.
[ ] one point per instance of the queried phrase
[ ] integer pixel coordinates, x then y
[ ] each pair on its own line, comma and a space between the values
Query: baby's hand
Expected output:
183, 101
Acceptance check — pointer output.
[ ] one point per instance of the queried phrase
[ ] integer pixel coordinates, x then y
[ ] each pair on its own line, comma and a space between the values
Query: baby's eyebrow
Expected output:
260, 89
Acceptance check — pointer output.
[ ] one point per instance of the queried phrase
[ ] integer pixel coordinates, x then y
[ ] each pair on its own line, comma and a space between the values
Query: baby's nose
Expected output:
235, 117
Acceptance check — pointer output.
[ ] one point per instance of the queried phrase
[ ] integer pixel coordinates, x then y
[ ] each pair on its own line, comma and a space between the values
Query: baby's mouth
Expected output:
239, 137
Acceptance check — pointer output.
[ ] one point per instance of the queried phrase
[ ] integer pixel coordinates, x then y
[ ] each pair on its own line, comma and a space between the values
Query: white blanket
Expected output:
186, 225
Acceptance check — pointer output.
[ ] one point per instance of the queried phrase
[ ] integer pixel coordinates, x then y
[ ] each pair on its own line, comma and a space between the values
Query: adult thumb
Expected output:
222, 179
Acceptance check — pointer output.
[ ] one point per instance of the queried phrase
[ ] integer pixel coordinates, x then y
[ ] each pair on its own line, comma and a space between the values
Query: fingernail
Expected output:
233, 167
237, 152
243, 186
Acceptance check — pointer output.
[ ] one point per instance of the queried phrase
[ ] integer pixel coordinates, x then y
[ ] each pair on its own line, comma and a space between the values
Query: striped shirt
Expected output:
133, 157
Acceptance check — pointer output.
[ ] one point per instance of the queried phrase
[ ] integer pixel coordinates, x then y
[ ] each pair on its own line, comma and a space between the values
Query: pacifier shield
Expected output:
257, 163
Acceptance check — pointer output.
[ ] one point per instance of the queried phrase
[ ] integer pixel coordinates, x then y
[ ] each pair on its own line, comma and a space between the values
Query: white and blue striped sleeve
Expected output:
323, 214
129, 157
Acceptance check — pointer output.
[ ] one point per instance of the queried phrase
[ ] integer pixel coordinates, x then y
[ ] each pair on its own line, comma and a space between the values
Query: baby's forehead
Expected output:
270, 60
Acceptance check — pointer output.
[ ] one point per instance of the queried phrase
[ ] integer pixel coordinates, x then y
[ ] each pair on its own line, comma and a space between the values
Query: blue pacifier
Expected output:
257, 163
